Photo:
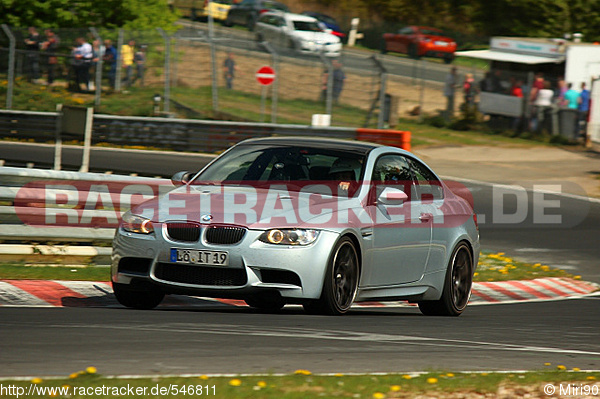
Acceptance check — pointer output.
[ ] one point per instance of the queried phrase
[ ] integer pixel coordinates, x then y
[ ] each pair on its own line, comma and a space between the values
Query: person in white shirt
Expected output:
82, 59
542, 103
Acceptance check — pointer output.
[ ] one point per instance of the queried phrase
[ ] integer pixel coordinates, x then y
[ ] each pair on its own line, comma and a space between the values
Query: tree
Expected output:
129, 14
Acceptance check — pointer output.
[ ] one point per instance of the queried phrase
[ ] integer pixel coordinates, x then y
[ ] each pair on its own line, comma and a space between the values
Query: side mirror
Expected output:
392, 196
181, 178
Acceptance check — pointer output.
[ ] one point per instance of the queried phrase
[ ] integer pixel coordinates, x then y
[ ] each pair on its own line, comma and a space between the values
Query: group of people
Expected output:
542, 96
83, 59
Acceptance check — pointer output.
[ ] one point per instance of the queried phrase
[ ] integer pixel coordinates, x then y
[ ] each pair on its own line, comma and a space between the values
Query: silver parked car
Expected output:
300, 33
312, 221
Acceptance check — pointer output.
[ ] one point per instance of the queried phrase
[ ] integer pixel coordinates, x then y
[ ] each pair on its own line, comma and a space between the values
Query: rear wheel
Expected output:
448, 59
137, 299
250, 22
384, 49
412, 51
341, 281
457, 286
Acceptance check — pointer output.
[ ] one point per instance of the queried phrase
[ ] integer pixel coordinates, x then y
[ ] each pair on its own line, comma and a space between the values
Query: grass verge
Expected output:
303, 384
24, 271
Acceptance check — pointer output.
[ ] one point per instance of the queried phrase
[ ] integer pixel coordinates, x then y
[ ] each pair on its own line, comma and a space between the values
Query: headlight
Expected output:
289, 236
136, 224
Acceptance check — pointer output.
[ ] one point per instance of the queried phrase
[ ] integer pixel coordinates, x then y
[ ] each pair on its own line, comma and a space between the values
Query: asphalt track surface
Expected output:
222, 339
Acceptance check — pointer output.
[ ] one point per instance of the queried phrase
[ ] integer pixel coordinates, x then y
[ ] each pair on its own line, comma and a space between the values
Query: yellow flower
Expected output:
561, 367
500, 254
37, 380
338, 375
484, 374
261, 384
91, 370
590, 378
476, 274
378, 395
576, 369
545, 268
73, 375
432, 380
395, 388
577, 277
406, 377
547, 364
235, 382
203, 377
302, 372
450, 375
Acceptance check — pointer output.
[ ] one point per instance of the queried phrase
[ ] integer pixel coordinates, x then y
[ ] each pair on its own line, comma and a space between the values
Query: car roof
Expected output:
340, 144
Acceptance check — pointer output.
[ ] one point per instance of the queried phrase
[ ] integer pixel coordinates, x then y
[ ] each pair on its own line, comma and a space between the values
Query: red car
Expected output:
420, 41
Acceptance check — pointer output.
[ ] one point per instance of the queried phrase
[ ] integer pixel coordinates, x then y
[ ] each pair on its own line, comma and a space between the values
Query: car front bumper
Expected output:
296, 272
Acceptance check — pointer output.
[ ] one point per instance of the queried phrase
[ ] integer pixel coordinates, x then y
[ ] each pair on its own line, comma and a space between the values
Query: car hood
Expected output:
316, 36
254, 208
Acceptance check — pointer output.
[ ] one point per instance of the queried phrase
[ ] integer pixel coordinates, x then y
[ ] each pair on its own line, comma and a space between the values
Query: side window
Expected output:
394, 171
406, 31
428, 186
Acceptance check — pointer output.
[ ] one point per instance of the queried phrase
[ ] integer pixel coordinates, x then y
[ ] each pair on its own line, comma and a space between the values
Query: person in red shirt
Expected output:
517, 89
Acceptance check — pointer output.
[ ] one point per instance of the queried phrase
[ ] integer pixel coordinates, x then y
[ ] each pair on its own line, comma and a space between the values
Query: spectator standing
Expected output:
139, 58
110, 59
542, 106
538, 84
127, 57
338, 80
584, 109
32, 45
449, 91
229, 69
516, 89
571, 97
469, 89
50, 47
82, 58
561, 89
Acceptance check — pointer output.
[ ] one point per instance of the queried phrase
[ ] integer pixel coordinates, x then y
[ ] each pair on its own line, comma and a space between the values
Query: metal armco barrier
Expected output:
181, 134
32, 203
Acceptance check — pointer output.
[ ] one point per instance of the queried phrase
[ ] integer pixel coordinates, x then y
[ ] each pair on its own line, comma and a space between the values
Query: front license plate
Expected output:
196, 257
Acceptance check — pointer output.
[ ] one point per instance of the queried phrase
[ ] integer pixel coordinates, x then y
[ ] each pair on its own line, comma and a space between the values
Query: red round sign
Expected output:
265, 75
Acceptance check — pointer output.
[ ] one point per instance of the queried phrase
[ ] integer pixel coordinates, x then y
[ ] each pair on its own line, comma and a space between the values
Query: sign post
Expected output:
75, 122
265, 76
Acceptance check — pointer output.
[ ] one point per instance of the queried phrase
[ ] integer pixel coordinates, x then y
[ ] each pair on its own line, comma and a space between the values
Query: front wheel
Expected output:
457, 286
137, 299
341, 281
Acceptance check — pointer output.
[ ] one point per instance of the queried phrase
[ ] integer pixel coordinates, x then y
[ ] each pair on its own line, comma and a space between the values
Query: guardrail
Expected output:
180, 134
20, 198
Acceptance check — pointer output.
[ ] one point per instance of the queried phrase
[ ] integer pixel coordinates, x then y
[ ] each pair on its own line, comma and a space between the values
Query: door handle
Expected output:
425, 217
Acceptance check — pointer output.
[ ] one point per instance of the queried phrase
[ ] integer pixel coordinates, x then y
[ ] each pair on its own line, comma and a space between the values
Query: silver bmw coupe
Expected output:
319, 222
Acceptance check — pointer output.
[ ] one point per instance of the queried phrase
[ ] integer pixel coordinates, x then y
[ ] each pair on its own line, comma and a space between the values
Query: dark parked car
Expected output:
246, 13
328, 21
420, 41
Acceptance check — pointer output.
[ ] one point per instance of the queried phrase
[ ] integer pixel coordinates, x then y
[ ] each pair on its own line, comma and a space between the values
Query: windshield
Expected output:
309, 26
258, 163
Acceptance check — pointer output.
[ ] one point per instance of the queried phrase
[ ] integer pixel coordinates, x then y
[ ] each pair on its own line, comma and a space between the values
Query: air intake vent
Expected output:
224, 234
188, 232
201, 275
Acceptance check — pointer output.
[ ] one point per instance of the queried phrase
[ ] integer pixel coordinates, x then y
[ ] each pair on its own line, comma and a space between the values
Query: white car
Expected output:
297, 32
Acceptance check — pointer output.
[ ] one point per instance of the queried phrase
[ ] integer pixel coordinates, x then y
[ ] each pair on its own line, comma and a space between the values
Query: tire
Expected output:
412, 51
226, 22
457, 286
137, 299
341, 281
266, 302
448, 59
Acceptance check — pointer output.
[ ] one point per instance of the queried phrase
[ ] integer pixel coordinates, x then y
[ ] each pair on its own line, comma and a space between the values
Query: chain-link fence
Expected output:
201, 73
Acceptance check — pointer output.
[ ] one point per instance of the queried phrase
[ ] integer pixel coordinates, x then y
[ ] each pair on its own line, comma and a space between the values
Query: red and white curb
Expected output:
49, 293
